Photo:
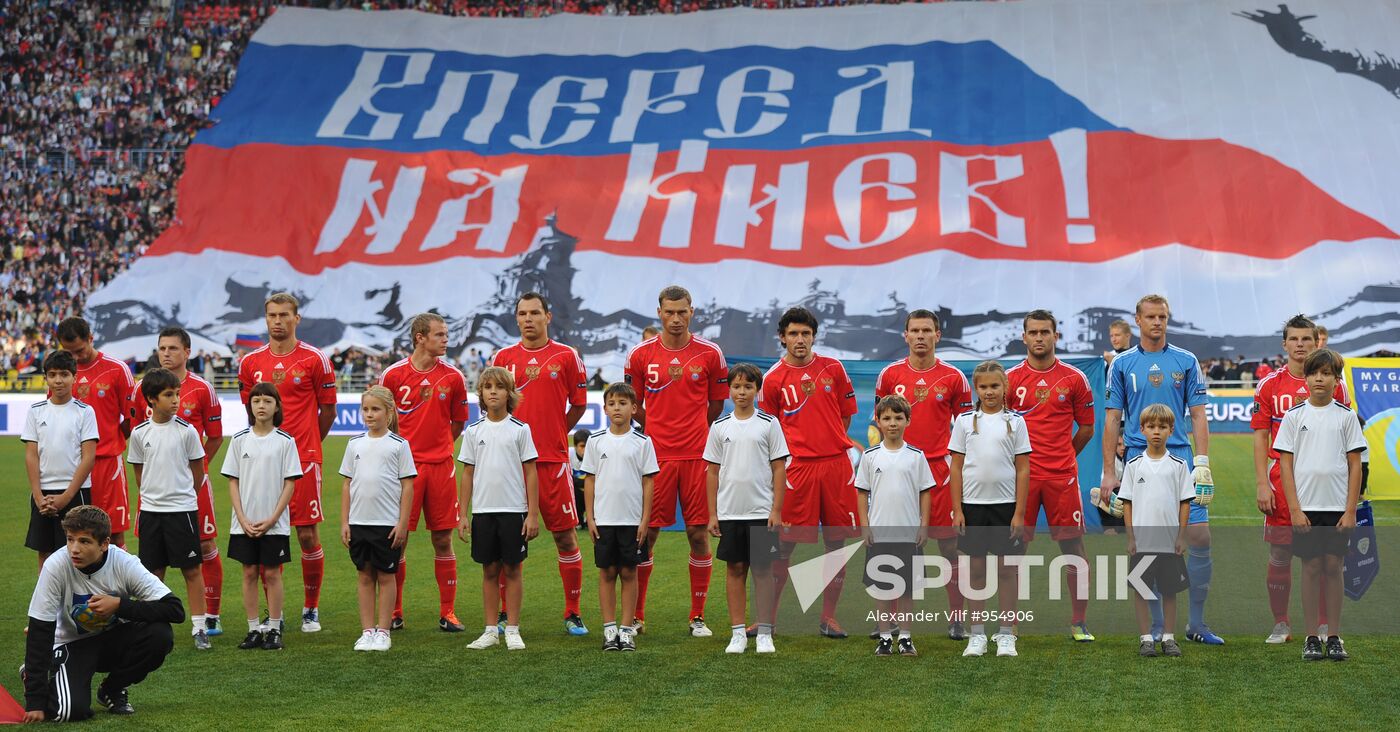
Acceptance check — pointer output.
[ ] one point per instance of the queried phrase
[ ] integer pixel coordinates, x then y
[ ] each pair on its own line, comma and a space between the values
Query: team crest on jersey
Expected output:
187, 408
1178, 378
554, 370
102, 388
827, 381
278, 376
443, 390
920, 393
675, 372
1154, 379
808, 386
531, 372
298, 374
426, 392
1063, 391
83, 390
1041, 395
695, 372
940, 392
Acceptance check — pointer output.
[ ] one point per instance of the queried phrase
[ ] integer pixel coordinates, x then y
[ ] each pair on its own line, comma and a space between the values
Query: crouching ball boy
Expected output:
95, 609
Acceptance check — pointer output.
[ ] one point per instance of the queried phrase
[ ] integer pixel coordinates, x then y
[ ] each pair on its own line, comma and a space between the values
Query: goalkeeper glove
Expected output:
1205, 483
1114, 506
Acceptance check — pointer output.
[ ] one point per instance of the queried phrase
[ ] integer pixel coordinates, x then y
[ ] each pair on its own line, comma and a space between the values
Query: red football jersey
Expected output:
811, 403
305, 381
676, 388
1278, 392
199, 405
428, 403
106, 385
936, 395
551, 379
1052, 402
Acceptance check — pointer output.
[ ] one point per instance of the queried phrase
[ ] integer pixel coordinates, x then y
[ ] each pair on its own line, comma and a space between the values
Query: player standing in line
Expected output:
681, 381
169, 460
552, 382
1055, 400
1155, 372
1322, 485
1156, 494
262, 467
813, 399
894, 480
937, 392
199, 405
619, 466
1274, 395
990, 479
744, 483
374, 505
305, 380
106, 385
431, 400
60, 447
499, 497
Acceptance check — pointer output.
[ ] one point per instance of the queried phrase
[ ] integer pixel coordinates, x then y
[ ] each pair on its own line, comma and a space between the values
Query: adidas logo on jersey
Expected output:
481, 442
920, 382
726, 440
675, 360
1302, 390
83, 380
1305, 429
278, 366
44, 424
1042, 383
878, 471
246, 456
1142, 479
533, 361
424, 382
604, 456
1154, 368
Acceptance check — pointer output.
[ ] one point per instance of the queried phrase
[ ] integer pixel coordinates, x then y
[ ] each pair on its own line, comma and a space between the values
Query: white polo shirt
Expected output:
261, 463
744, 450
60, 431
498, 451
894, 479
989, 444
618, 464
1320, 438
164, 452
1156, 488
376, 466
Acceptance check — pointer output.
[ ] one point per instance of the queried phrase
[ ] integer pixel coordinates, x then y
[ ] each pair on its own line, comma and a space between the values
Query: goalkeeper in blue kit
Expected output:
1155, 372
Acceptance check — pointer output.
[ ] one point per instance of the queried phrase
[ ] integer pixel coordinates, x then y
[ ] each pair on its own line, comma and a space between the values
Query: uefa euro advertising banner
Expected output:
977, 159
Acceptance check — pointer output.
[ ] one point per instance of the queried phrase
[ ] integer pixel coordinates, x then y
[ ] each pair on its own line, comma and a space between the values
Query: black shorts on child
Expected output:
747, 540
370, 547
498, 537
46, 532
268, 550
1322, 538
1166, 575
885, 561
617, 547
989, 530
168, 539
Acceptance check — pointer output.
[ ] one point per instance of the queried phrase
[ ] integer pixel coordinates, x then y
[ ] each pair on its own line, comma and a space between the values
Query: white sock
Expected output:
274, 623
1145, 638
1007, 630
1168, 637
196, 624
885, 635
738, 630
254, 625
493, 630
512, 630
903, 634
628, 630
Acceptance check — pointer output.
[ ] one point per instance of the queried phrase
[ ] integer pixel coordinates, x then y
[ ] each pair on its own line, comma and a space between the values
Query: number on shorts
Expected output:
209, 524
315, 509
853, 518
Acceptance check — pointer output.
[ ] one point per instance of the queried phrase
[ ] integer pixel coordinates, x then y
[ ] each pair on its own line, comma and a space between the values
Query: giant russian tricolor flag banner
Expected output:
977, 159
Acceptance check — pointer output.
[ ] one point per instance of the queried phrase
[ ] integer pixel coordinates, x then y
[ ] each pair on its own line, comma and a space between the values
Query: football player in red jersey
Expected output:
306, 383
1278, 392
813, 399
682, 381
937, 392
1058, 405
431, 399
199, 405
106, 385
552, 382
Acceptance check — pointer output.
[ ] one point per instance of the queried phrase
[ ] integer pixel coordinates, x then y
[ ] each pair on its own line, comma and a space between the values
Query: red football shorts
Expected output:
1064, 507
820, 491
306, 506
1278, 526
683, 479
109, 490
435, 496
557, 506
940, 505
208, 529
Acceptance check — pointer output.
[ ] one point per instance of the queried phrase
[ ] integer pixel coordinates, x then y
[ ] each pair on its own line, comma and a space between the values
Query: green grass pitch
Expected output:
429, 680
